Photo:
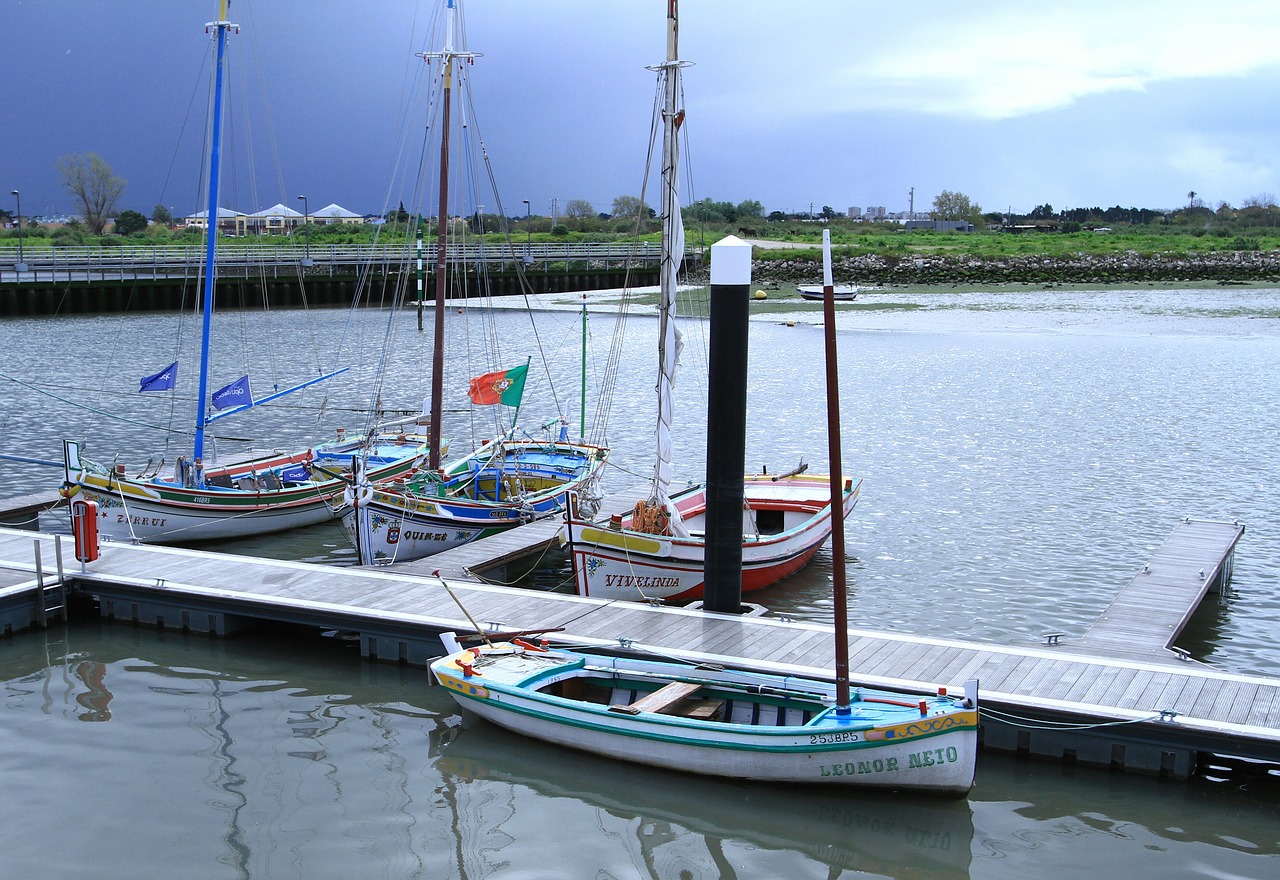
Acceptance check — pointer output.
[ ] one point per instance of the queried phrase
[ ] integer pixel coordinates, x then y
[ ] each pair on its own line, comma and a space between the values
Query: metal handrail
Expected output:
236, 253
169, 261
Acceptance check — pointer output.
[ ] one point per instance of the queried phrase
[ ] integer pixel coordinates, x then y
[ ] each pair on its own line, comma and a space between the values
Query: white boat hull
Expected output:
621, 563
479, 497
840, 292
905, 750
160, 510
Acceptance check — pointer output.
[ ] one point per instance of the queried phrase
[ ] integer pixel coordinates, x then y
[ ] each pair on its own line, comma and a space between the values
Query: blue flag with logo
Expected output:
161, 381
237, 393
296, 474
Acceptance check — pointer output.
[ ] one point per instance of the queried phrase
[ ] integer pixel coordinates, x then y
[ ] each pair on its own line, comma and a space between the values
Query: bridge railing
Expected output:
169, 261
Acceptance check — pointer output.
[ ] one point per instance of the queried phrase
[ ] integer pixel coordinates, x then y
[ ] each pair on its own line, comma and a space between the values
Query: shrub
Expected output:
68, 236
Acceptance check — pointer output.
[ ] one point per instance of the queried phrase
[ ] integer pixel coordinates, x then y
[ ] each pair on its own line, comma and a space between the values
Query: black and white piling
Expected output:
726, 423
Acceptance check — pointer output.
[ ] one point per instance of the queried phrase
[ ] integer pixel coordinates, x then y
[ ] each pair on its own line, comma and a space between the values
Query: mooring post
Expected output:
726, 423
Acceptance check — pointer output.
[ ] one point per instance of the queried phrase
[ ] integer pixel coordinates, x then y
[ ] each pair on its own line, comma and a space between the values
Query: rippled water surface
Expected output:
130, 753
1022, 452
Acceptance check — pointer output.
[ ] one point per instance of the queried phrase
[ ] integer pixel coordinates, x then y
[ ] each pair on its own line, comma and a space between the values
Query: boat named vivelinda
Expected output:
637, 556
658, 551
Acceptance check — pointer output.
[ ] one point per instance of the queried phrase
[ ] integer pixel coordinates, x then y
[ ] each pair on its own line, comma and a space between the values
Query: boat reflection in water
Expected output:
894, 835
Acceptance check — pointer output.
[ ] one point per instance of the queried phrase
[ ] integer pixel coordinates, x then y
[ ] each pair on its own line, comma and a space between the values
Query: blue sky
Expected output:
791, 102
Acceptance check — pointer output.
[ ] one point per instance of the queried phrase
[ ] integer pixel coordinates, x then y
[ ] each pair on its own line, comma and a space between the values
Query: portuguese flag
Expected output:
504, 386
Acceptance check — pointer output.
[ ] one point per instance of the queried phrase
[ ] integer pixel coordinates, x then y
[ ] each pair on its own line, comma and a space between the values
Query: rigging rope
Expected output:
1034, 724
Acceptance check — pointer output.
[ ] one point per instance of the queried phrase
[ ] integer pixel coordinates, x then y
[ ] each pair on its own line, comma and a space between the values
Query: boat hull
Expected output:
624, 564
389, 523
899, 749
163, 511
841, 292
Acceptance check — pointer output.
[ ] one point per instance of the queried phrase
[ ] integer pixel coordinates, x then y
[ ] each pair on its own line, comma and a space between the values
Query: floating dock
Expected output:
24, 511
1111, 698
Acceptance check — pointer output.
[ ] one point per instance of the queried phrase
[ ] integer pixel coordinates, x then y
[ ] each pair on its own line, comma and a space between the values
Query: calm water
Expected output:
1023, 453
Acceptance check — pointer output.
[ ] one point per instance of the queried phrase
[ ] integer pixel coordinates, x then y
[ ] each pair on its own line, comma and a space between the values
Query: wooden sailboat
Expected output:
658, 551
199, 499
505, 482
720, 722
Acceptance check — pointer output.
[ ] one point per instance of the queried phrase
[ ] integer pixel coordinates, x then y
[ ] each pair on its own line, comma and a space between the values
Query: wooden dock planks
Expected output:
1119, 687
1152, 610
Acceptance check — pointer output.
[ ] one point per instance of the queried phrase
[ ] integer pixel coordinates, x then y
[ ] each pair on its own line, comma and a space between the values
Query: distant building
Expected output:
277, 220
876, 212
940, 225
331, 214
228, 220
855, 213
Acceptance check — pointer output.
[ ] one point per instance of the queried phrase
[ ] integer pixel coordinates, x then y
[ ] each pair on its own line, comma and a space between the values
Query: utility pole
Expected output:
554, 204
911, 203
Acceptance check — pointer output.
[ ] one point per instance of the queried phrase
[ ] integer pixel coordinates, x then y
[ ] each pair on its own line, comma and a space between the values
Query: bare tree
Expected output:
579, 211
90, 180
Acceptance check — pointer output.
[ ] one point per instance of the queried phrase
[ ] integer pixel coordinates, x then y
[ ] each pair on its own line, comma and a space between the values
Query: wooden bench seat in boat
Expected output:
667, 697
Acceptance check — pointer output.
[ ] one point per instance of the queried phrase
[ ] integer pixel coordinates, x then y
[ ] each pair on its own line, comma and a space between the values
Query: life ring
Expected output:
68, 491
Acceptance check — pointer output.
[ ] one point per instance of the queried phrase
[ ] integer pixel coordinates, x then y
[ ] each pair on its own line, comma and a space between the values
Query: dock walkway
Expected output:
1154, 715
1151, 612
24, 511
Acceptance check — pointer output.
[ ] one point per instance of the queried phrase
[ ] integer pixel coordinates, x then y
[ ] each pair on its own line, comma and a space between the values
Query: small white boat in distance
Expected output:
720, 722
845, 292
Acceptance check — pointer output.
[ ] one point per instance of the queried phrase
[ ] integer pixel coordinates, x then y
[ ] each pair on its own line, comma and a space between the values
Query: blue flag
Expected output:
161, 381
235, 394
296, 474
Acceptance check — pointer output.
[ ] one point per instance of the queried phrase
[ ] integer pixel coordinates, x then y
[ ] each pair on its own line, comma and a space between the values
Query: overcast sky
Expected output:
791, 102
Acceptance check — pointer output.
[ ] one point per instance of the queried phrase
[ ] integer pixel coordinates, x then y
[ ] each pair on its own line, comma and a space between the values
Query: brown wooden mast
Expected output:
839, 586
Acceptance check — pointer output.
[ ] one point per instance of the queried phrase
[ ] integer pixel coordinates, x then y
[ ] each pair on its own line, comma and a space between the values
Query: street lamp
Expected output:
306, 231
22, 264
528, 228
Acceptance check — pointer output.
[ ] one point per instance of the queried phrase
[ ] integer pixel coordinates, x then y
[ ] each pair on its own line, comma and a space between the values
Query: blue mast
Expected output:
211, 229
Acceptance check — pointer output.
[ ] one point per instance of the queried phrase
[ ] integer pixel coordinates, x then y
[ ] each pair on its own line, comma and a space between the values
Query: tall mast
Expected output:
839, 587
219, 28
672, 253
446, 56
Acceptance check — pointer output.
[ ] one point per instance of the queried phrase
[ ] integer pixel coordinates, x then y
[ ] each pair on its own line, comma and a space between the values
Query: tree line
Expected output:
97, 190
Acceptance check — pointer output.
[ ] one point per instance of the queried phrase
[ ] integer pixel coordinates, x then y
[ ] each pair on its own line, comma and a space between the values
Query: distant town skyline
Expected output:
815, 102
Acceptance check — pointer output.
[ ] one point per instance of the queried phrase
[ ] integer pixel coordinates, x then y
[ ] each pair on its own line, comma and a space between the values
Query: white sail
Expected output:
672, 254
